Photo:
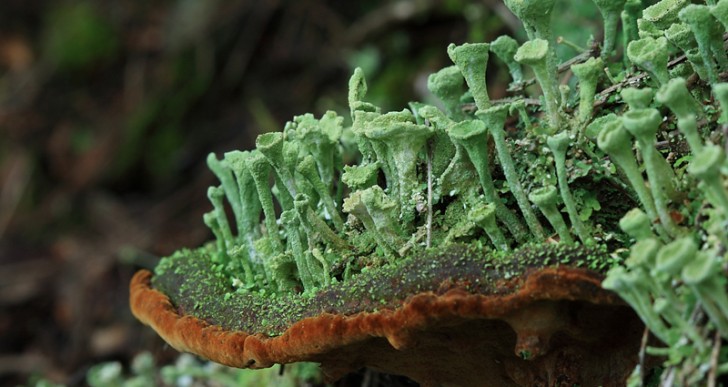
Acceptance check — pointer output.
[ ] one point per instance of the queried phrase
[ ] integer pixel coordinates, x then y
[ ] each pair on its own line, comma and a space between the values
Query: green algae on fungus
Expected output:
190, 280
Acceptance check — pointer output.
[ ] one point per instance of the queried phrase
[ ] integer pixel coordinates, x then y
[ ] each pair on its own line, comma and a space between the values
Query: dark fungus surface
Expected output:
195, 288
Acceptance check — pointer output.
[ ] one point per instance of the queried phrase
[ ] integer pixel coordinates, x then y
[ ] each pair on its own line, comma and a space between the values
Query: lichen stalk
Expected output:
545, 199
614, 140
637, 225
404, 141
610, 10
637, 98
643, 124
446, 85
720, 91
271, 146
700, 275
307, 168
631, 289
260, 171
494, 119
651, 55
229, 185
706, 166
216, 195
559, 143
387, 241
471, 59
505, 47
291, 223
535, 15
534, 53
675, 95
588, 73
630, 13
470, 135
315, 227
484, 216
709, 36
688, 126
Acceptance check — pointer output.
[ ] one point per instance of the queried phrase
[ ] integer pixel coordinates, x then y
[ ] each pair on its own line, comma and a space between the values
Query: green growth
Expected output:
637, 168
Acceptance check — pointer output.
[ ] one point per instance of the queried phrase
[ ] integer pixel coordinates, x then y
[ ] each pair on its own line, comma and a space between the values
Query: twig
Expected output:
470, 107
713, 374
643, 347
429, 196
668, 377
633, 80
15, 183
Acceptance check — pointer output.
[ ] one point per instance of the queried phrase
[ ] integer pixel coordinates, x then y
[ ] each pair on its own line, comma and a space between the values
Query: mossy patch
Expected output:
196, 288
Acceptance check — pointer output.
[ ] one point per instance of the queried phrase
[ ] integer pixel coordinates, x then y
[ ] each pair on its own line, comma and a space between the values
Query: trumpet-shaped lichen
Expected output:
333, 201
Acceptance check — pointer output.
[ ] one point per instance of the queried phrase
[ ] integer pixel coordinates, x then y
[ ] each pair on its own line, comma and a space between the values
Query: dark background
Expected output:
108, 110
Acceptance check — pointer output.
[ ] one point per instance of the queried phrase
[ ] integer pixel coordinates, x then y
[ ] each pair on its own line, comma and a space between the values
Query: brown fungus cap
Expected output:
545, 326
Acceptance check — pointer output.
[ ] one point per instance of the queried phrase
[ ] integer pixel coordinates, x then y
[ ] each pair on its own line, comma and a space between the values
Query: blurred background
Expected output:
109, 108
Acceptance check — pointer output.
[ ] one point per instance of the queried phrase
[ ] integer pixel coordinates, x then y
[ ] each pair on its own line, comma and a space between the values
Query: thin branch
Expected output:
643, 348
429, 196
713, 374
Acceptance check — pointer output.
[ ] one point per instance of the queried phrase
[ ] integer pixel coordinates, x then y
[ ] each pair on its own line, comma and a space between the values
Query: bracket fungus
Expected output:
422, 242
448, 319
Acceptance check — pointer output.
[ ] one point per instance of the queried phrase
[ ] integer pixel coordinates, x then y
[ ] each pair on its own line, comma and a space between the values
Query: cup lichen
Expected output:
505, 47
610, 10
651, 55
329, 198
588, 74
535, 53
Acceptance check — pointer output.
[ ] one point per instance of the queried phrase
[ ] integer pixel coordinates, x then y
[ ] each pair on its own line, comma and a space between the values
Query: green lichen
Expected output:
535, 15
631, 12
709, 36
471, 59
664, 13
651, 55
505, 47
535, 53
610, 10
347, 215
545, 199
588, 73
643, 125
